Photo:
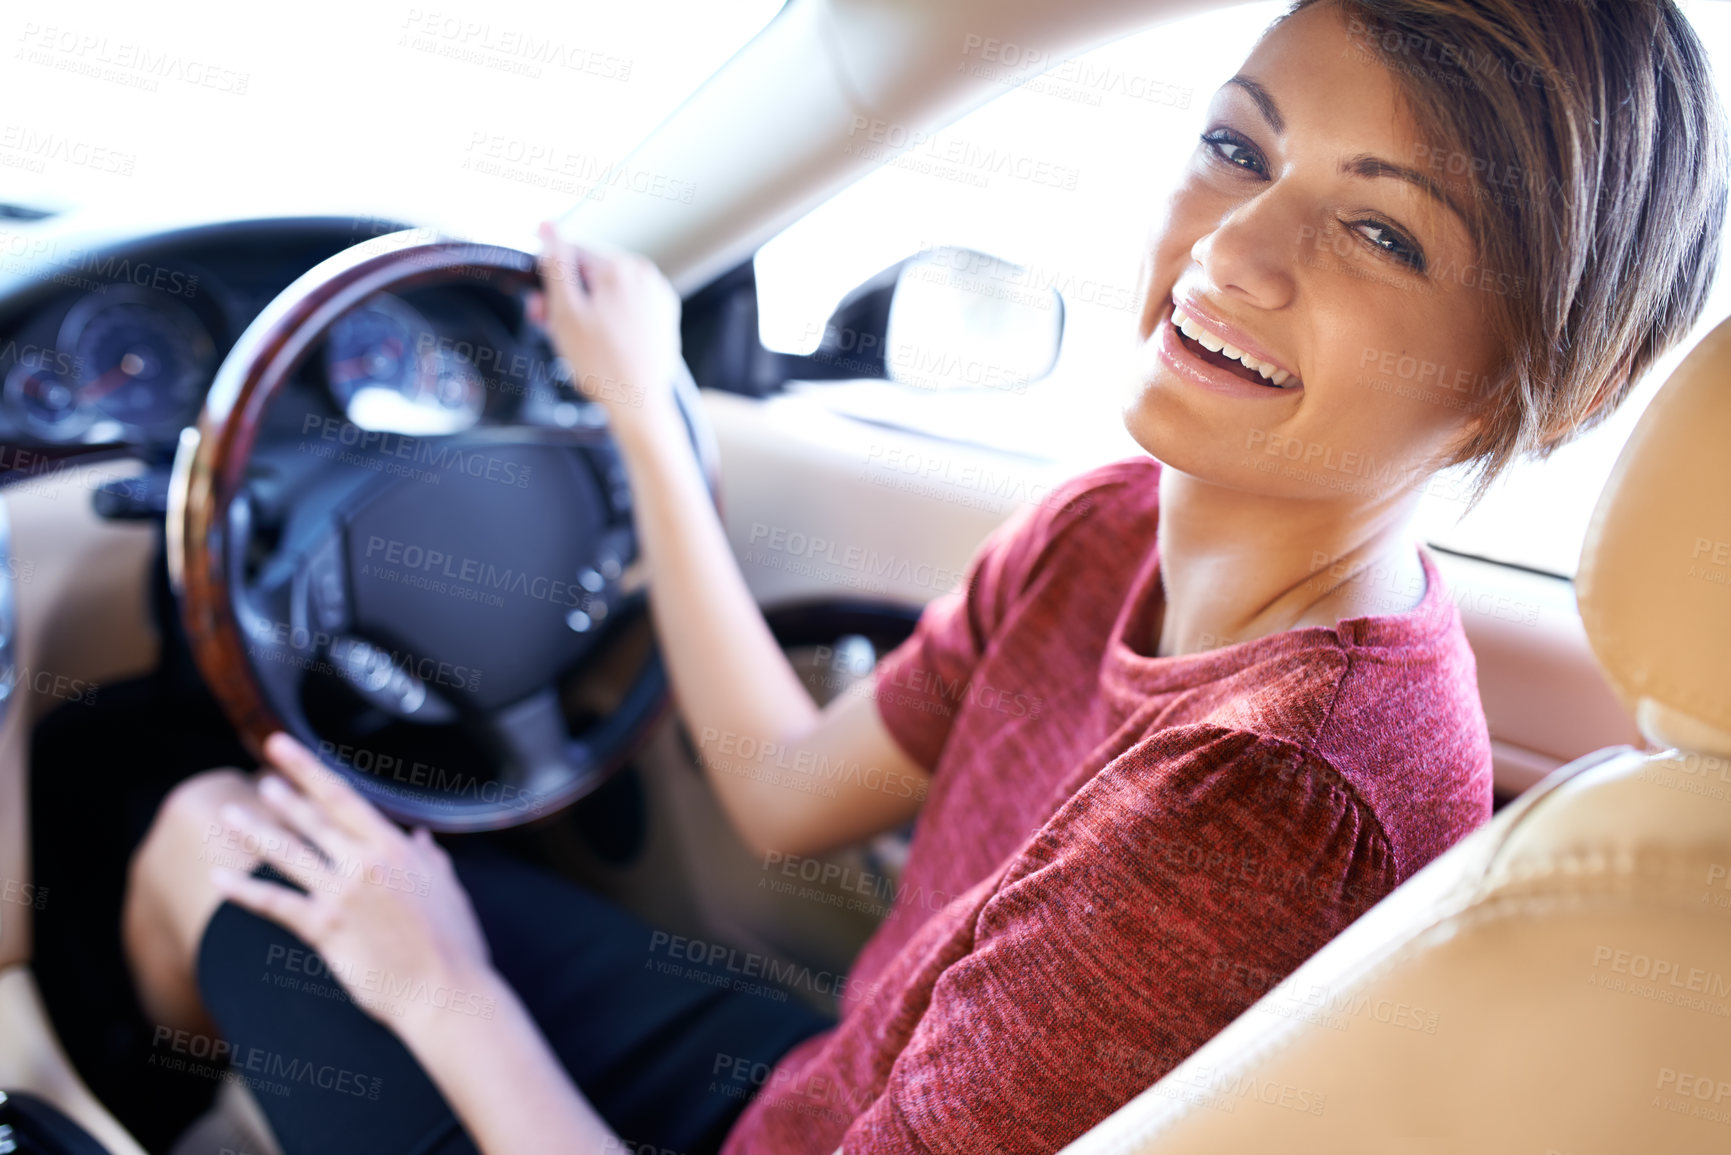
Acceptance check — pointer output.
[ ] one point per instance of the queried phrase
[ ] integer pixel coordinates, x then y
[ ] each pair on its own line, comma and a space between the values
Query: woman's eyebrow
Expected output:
1264, 102
1363, 165
1375, 168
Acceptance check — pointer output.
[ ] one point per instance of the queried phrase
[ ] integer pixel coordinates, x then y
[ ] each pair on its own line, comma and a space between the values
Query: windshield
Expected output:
467, 115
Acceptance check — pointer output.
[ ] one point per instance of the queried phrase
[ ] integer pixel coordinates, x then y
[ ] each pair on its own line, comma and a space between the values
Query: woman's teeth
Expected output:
1187, 325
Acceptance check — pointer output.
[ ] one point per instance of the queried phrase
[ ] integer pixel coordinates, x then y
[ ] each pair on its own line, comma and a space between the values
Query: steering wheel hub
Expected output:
475, 603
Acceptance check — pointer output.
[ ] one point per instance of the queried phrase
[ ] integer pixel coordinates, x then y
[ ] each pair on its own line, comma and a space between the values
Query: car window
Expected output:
467, 114
1063, 175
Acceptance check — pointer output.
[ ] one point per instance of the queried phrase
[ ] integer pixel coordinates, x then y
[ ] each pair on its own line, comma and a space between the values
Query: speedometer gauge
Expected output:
390, 372
141, 361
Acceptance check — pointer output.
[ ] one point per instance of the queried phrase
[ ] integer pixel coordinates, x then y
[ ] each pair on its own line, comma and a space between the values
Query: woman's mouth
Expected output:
1210, 348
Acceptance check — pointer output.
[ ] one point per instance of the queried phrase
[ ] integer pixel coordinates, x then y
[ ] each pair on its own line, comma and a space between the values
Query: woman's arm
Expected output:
756, 728
503, 1080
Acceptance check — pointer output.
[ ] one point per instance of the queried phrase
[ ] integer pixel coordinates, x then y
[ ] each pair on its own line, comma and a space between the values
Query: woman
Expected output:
1257, 710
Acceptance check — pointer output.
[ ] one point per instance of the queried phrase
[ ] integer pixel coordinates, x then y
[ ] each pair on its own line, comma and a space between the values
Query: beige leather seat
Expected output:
1560, 981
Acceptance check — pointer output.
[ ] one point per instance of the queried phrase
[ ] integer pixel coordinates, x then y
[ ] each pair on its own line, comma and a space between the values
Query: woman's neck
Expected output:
1236, 566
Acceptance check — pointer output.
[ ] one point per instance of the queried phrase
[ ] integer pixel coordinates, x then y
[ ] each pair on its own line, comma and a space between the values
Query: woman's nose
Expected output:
1252, 253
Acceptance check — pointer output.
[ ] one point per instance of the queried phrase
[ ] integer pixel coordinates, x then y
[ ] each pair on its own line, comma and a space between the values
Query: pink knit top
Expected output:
1119, 852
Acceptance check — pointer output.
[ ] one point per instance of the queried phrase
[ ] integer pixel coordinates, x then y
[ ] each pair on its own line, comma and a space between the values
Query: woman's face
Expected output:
1303, 235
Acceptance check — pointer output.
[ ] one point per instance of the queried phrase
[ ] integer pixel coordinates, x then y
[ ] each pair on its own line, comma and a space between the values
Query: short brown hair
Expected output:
1590, 137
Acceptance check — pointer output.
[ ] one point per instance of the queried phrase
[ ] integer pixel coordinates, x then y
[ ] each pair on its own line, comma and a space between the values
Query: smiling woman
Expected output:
1402, 223
1180, 724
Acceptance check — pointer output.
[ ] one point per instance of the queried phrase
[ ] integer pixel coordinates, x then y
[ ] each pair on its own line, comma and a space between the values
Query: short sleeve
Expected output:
921, 682
1192, 874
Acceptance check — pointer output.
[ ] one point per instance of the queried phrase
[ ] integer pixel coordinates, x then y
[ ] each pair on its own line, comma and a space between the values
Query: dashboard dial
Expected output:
47, 401
390, 372
141, 361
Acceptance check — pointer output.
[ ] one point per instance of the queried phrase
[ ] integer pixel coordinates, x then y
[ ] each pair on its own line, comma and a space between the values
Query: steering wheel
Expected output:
455, 623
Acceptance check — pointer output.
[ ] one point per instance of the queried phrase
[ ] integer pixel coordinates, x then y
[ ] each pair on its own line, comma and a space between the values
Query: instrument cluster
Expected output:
123, 364
436, 363
120, 363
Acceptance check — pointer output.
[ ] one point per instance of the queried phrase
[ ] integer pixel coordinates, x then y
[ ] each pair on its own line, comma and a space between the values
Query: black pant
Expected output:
668, 1051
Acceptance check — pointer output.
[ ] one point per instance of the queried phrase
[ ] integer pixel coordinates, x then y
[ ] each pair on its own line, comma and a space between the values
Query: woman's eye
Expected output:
1235, 150
1392, 243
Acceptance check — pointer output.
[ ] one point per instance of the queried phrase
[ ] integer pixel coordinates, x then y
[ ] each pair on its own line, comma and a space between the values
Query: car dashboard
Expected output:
110, 343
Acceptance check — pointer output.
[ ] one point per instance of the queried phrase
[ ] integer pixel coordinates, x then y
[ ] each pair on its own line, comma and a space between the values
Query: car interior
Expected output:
240, 457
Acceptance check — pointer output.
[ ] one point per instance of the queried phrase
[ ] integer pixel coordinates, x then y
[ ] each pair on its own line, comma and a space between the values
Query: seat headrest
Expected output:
1654, 583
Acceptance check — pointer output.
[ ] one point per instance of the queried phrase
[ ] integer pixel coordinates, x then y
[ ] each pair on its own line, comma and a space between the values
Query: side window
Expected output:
1061, 175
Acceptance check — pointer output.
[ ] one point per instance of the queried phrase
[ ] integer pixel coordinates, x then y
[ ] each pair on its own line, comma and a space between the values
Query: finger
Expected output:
599, 266
269, 900
561, 272
552, 252
302, 815
535, 307
424, 840
282, 849
342, 803
562, 263
594, 262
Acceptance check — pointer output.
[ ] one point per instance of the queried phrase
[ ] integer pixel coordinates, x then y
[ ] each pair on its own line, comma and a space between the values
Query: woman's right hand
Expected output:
614, 318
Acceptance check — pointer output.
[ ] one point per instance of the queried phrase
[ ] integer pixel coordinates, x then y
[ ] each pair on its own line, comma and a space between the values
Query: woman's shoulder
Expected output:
1406, 726
1104, 513
1125, 485
1189, 787
1115, 501
1397, 723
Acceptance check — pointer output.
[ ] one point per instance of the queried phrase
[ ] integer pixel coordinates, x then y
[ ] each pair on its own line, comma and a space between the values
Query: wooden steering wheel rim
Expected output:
210, 466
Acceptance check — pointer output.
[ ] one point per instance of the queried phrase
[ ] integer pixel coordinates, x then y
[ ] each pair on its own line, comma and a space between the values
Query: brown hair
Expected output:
1590, 138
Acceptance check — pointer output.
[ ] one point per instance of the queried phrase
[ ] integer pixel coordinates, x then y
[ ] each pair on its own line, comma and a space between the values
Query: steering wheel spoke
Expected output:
264, 602
537, 755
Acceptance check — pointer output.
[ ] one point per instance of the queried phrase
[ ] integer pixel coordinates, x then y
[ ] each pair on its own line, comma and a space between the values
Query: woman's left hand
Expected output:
383, 908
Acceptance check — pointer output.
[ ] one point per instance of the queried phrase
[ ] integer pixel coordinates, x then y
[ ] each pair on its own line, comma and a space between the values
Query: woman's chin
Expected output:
1154, 421
1173, 435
